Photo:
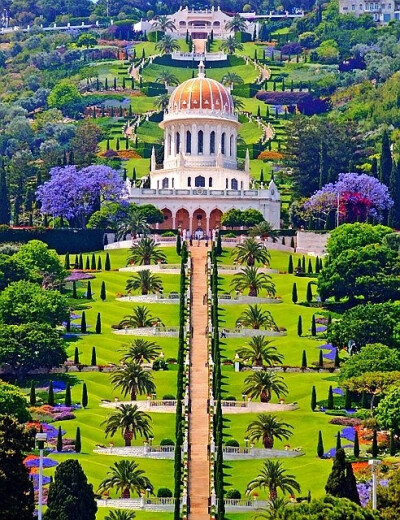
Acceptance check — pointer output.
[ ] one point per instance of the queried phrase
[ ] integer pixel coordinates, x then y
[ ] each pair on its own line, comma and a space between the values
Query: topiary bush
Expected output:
169, 397
232, 443
233, 494
168, 234
164, 493
167, 442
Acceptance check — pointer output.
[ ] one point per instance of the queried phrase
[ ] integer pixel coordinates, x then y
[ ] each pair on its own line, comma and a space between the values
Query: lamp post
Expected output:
40, 438
374, 463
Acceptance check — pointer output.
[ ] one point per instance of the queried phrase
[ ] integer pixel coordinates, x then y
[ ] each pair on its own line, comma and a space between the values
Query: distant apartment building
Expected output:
382, 11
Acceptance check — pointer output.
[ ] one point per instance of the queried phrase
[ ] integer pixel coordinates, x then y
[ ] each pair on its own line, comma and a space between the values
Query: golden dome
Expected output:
201, 93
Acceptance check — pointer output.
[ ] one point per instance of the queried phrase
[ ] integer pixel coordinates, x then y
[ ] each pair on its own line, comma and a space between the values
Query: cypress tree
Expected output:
292, 242
68, 399
87, 264
76, 356
80, 261
66, 262
83, 323
32, 394
394, 212
89, 291
68, 324
303, 263
59, 440
304, 360
317, 265
320, 445
374, 167
338, 441
299, 264
309, 269
85, 399
290, 266
218, 249
337, 358
74, 293
321, 360
386, 159
300, 326
313, 326
99, 265
356, 447
78, 442
93, 361
330, 398
93, 263
98, 324
313, 398
103, 294
374, 448
50, 397
364, 400
76, 262
309, 294
283, 241
294, 293
392, 447
341, 482
178, 244
5, 211
70, 494
261, 176
107, 265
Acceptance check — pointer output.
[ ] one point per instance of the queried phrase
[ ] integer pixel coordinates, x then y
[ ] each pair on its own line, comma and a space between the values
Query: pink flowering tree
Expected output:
356, 197
75, 194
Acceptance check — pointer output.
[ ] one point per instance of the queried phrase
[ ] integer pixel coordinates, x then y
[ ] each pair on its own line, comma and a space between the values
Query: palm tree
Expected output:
167, 44
130, 421
236, 24
120, 514
238, 104
264, 230
140, 350
162, 102
263, 384
231, 78
163, 23
141, 318
251, 251
133, 380
259, 351
133, 222
250, 278
273, 476
230, 45
146, 252
126, 477
147, 282
168, 78
255, 318
275, 510
267, 427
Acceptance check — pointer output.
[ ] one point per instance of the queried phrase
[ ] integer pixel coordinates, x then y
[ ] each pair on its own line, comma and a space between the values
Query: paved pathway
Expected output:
199, 46
199, 484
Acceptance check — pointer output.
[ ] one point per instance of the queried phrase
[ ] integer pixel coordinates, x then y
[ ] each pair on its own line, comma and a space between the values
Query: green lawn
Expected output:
250, 132
108, 349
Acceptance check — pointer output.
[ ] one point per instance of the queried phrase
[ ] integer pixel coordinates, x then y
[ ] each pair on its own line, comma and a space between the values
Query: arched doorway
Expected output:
182, 219
215, 219
167, 224
199, 221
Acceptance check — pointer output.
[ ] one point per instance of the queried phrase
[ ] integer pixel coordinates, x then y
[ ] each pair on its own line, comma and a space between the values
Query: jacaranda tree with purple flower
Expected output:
75, 194
356, 197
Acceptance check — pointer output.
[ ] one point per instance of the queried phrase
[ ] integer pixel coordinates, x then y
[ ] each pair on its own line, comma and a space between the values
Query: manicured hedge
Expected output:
155, 36
248, 90
62, 240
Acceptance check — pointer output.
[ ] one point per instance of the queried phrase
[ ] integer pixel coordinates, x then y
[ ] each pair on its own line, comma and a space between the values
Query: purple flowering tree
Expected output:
75, 194
357, 197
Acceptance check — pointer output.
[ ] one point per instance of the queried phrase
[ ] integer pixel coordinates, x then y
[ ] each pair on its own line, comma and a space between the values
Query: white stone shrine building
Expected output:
201, 177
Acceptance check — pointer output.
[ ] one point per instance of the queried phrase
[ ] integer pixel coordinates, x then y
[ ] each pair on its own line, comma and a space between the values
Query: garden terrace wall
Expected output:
62, 240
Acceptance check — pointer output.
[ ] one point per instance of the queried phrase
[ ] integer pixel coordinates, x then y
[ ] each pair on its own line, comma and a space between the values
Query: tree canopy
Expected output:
376, 357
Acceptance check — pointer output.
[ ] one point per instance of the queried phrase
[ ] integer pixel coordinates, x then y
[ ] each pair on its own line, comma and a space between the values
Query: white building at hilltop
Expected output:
201, 177
382, 11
